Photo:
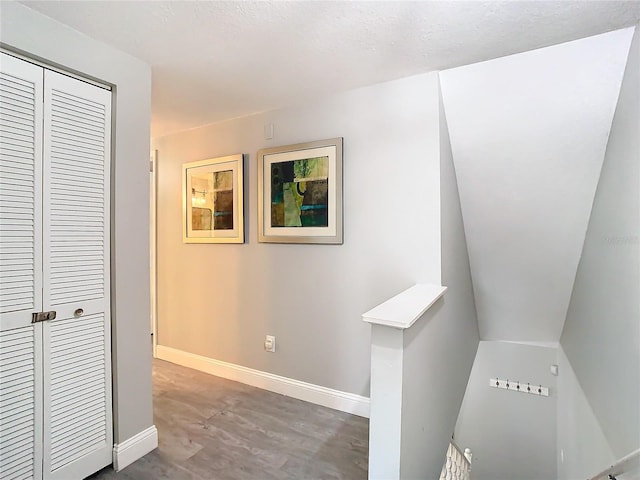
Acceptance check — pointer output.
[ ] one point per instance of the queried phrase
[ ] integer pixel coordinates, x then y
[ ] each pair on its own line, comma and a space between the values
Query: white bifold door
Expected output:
55, 354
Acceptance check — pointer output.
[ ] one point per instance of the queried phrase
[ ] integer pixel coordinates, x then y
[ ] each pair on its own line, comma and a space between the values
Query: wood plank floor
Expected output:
215, 429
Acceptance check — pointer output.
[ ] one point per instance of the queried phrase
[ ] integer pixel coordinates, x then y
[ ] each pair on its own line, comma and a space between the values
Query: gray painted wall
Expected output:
583, 450
528, 151
512, 435
41, 37
440, 348
220, 301
601, 336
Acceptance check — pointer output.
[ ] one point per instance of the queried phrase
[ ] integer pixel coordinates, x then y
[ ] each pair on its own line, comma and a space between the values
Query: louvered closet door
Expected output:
20, 269
77, 375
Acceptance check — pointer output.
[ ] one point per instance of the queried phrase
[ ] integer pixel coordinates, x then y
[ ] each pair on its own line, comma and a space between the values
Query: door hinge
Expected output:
43, 316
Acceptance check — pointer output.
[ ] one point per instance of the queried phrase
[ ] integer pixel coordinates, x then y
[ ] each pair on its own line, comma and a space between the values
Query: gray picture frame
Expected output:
300, 193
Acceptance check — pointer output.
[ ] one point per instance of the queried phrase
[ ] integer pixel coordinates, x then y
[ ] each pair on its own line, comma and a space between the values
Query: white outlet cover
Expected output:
270, 343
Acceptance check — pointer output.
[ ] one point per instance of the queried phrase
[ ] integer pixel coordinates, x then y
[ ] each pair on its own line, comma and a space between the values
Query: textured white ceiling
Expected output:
528, 132
216, 60
528, 135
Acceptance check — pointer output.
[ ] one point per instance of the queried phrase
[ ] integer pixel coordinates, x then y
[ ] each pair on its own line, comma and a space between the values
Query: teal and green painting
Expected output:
299, 193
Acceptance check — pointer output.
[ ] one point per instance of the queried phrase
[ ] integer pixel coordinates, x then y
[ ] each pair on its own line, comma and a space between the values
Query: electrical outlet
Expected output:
270, 343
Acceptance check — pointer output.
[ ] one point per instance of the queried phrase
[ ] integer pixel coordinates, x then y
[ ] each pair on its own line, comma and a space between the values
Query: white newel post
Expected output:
389, 322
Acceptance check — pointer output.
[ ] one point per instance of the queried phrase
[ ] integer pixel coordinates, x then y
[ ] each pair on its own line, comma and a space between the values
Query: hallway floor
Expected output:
216, 429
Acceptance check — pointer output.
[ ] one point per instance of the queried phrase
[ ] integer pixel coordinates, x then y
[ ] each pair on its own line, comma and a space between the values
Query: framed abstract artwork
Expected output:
212, 198
300, 193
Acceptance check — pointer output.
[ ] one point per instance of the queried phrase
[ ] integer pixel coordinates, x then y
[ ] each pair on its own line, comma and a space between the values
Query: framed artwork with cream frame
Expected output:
212, 200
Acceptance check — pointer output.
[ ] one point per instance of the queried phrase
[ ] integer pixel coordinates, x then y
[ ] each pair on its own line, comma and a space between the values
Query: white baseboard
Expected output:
133, 448
327, 397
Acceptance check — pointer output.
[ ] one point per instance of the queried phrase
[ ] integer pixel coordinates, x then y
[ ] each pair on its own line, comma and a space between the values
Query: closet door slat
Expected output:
75, 196
77, 360
21, 373
20, 190
21, 403
77, 369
